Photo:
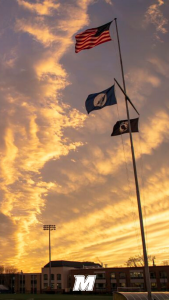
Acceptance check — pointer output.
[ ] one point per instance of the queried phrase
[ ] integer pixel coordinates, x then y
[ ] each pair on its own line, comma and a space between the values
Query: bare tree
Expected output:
165, 262
11, 270
138, 261
1, 269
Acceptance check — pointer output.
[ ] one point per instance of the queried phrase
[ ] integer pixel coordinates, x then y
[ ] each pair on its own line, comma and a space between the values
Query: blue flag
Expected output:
99, 100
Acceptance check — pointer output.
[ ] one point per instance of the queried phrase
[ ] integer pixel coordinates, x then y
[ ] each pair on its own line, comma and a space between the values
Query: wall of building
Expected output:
109, 279
22, 282
59, 278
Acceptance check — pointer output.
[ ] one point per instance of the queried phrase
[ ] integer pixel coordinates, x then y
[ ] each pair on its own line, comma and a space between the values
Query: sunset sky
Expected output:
59, 165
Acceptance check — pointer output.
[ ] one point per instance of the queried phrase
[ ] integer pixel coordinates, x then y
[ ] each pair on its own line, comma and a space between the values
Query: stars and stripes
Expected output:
92, 37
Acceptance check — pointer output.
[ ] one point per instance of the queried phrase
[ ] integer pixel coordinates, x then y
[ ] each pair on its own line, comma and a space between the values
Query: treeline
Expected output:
8, 269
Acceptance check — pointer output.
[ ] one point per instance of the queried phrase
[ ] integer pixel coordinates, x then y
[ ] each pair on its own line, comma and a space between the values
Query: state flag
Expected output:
92, 37
99, 100
122, 126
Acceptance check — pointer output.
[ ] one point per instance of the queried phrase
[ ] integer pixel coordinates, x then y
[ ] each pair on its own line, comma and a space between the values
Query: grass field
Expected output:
53, 297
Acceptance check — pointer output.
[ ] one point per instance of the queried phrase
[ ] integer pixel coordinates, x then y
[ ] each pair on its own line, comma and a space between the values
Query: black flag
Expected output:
123, 126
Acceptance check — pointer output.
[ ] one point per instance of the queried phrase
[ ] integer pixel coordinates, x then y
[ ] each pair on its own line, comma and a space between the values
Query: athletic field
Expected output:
53, 297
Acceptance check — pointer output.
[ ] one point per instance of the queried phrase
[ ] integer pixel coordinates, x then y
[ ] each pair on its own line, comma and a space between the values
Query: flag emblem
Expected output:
122, 126
99, 100
92, 37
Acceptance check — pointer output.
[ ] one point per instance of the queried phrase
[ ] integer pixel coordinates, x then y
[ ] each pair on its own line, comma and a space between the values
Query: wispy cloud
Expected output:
161, 66
59, 164
155, 16
35, 117
109, 2
44, 7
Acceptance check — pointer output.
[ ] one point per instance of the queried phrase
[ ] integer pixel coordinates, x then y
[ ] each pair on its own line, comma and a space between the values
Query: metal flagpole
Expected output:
147, 275
126, 96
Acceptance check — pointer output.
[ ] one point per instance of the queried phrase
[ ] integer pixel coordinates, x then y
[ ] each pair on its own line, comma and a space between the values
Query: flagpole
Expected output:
147, 275
126, 96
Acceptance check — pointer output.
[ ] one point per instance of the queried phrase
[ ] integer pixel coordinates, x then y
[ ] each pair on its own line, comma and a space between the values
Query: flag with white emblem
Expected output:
122, 126
99, 100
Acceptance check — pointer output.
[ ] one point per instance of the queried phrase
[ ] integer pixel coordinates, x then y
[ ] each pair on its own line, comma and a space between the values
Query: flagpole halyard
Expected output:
147, 275
126, 96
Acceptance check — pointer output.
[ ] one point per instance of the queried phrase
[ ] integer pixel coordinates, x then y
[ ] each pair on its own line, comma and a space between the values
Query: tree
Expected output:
11, 270
165, 262
138, 261
1, 269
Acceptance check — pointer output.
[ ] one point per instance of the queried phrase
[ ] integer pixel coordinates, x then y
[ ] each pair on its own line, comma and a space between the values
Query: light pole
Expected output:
22, 281
49, 227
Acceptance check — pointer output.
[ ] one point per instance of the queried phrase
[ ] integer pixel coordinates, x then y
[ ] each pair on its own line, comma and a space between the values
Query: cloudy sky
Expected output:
59, 165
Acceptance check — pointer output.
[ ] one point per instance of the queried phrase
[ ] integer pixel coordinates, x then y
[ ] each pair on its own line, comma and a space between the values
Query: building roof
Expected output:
3, 288
72, 264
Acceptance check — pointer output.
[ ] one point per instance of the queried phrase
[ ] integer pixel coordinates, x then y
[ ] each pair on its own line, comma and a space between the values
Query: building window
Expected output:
52, 277
45, 285
22, 282
122, 284
154, 286
112, 275
122, 275
33, 290
100, 276
138, 285
58, 276
22, 290
163, 286
152, 275
163, 274
33, 277
59, 285
136, 274
69, 281
114, 286
45, 276
1, 280
33, 282
100, 286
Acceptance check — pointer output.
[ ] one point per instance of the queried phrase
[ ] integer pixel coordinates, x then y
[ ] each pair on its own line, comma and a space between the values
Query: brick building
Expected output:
107, 279
111, 279
60, 274
22, 282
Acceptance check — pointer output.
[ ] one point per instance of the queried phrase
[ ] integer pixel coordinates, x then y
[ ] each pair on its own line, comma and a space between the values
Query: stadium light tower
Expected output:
49, 228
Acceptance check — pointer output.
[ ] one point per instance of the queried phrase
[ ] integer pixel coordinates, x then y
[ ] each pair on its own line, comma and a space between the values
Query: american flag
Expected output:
92, 37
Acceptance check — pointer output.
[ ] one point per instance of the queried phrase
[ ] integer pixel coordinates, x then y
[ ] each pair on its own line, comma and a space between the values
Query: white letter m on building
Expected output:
84, 285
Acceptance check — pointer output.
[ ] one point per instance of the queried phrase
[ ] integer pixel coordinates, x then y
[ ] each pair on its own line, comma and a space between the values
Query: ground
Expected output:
53, 297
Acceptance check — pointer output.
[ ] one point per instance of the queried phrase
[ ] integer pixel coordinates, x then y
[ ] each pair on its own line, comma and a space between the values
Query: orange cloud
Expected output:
155, 16
56, 163
34, 135
44, 7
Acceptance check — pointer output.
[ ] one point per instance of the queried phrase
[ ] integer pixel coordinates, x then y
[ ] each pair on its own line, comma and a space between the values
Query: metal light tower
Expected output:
49, 227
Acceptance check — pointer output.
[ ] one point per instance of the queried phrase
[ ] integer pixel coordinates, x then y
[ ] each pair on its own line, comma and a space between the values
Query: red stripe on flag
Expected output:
92, 41
92, 46
87, 32
92, 37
